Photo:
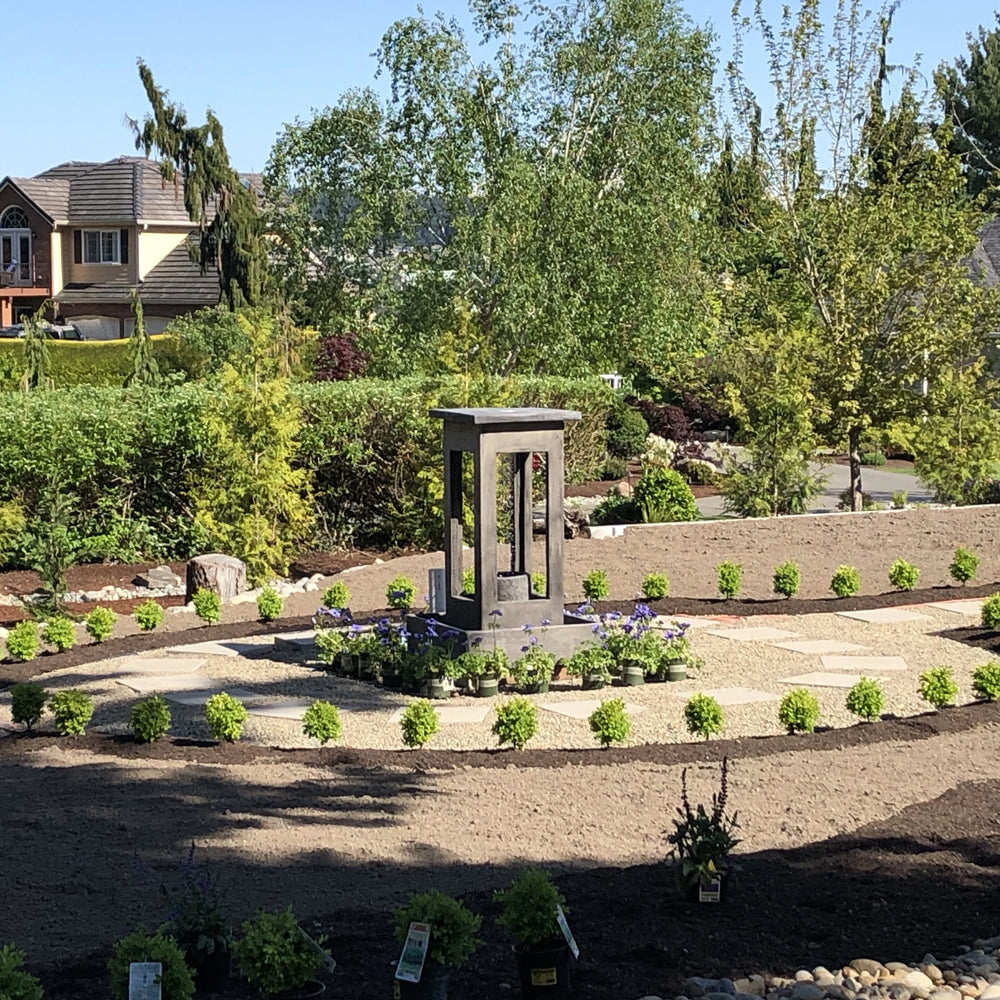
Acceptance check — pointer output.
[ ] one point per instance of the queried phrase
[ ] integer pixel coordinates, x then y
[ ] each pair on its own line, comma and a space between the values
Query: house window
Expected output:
101, 246
14, 218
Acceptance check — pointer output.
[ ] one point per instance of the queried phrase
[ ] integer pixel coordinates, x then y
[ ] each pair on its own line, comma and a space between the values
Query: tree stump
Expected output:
223, 575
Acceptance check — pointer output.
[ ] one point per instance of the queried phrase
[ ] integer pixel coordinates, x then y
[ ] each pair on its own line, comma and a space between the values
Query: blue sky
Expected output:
258, 65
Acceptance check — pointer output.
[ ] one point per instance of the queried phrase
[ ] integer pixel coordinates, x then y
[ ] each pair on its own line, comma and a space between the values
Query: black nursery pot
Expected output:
544, 972
211, 974
433, 985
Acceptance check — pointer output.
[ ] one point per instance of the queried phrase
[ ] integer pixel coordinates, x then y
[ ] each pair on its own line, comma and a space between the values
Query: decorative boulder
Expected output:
223, 575
158, 578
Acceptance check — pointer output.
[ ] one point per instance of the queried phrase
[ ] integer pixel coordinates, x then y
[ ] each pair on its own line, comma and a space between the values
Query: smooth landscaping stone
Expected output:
583, 709
450, 715
864, 664
162, 665
822, 679
731, 696
819, 646
974, 608
916, 980
885, 616
992, 992
146, 684
753, 633
807, 991
295, 640
197, 698
224, 647
293, 708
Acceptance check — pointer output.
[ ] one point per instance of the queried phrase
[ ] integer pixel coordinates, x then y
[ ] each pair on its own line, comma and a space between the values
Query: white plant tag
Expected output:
144, 980
410, 966
567, 933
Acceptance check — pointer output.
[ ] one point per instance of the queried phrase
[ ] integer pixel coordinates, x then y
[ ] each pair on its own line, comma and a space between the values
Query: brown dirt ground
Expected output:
880, 841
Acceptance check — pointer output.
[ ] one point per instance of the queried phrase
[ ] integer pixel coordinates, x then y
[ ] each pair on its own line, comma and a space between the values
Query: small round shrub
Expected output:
610, 723
662, 495
614, 468
787, 579
656, 586
616, 509
22, 642
225, 716
990, 614
626, 432
866, 699
539, 584
100, 623
72, 710
872, 458
964, 564
269, 605
730, 576
273, 952
59, 632
453, 927
845, 581
149, 719
903, 575
529, 908
400, 593
419, 723
15, 983
329, 644
938, 687
595, 585
321, 721
337, 595
986, 681
704, 716
176, 982
799, 711
468, 582
27, 703
148, 615
207, 605
516, 722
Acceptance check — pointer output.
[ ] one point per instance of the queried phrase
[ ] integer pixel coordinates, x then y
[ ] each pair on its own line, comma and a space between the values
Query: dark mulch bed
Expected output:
923, 880
974, 635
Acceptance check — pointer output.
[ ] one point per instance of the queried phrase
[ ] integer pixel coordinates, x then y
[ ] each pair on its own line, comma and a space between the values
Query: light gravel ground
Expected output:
367, 710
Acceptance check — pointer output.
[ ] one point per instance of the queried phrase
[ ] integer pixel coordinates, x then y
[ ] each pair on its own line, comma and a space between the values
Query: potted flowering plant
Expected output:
593, 663
533, 669
677, 658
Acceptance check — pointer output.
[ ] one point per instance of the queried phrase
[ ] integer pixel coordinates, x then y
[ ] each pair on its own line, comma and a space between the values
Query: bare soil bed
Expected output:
878, 841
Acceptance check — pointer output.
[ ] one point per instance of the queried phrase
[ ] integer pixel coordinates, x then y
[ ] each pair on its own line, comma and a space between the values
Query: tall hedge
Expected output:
134, 455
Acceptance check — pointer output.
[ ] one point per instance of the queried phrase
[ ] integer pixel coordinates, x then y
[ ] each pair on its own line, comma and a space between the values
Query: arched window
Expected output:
14, 218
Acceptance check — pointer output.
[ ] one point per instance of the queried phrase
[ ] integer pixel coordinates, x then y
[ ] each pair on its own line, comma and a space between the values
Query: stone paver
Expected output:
224, 647
692, 621
974, 608
449, 715
295, 640
818, 646
733, 695
863, 663
583, 709
147, 684
822, 679
290, 708
196, 698
885, 616
753, 633
161, 665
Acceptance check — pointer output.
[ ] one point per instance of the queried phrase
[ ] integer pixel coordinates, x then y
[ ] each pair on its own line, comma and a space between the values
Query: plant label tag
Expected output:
144, 980
567, 933
410, 966
710, 891
329, 962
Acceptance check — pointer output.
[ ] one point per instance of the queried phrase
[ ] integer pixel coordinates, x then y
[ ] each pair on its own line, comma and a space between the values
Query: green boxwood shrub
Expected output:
787, 579
321, 721
207, 605
903, 575
15, 983
27, 703
616, 509
610, 722
400, 593
730, 575
516, 722
595, 585
990, 613
72, 710
453, 927
656, 586
846, 581
269, 605
963, 566
273, 953
337, 596
225, 716
626, 432
704, 716
149, 719
529, 909
799, 711
662, 495
59, 632
22, 642
148, 615
986, 681
866, 699
100, 623
873, 458
938, 687
419, 723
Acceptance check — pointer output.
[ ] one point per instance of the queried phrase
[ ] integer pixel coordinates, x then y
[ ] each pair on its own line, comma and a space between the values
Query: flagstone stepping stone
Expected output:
583, 709
295, 640
162, 665
148, 684
822, 679
196, 698
958, 607
863, 663
293, 708
733, 696
224, 647
885, 616
449, 715
818, 646
753, 633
